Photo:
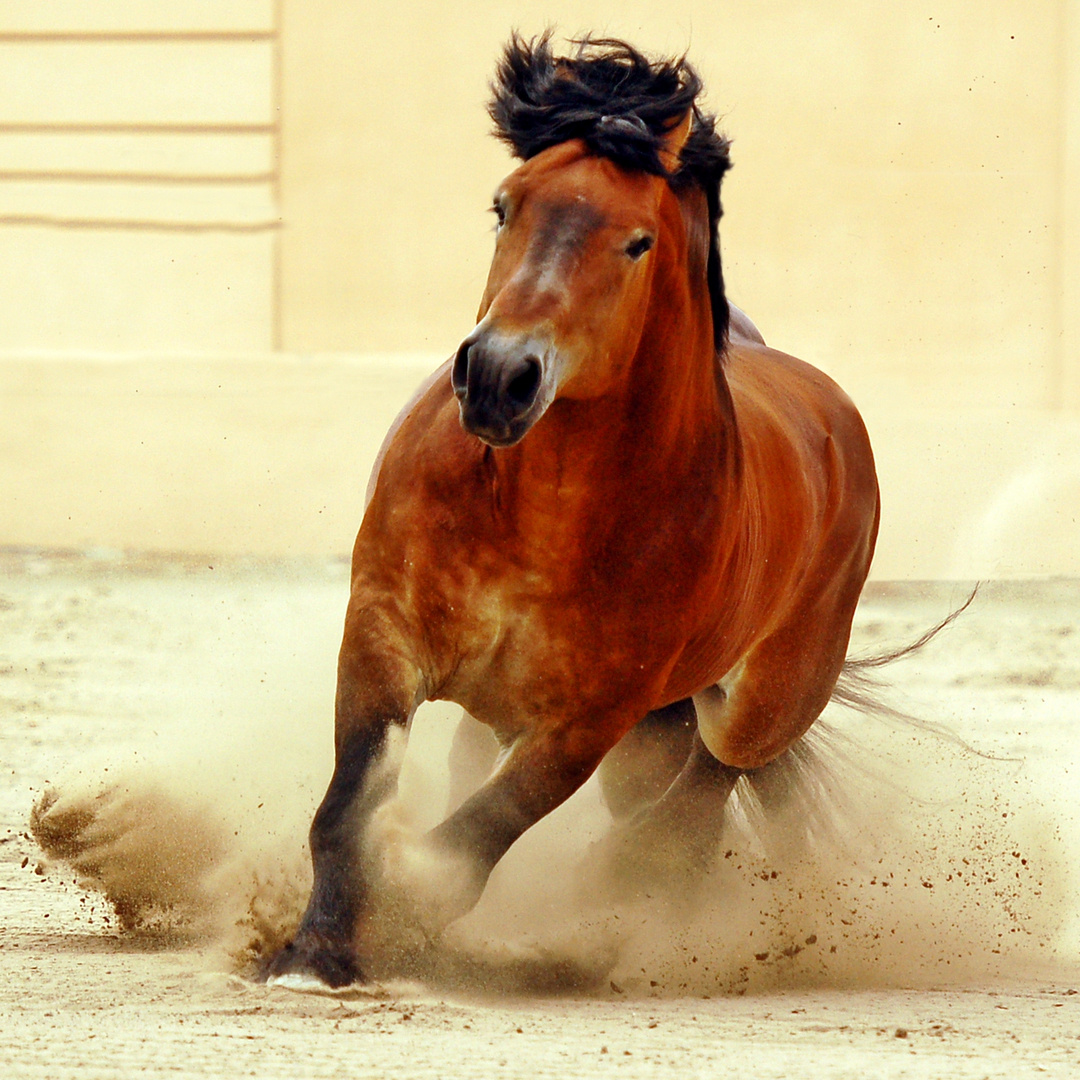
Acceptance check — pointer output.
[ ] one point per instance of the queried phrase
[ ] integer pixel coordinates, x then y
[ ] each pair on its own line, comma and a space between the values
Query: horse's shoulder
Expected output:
431, 395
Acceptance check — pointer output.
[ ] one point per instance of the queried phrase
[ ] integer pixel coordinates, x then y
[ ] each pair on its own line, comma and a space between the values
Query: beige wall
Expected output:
138, 198
269, 454
198, 197
898, 211
1070, 208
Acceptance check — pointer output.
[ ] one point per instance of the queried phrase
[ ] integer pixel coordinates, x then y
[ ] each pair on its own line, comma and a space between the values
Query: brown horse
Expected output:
615, 507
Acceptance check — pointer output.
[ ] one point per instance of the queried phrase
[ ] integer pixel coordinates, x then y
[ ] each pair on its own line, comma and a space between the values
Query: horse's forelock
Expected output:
540, 100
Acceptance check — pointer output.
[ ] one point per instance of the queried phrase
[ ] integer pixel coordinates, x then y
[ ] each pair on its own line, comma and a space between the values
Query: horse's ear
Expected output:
673, 140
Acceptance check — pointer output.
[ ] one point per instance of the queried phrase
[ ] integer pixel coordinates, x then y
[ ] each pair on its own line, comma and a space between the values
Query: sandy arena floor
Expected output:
187, 703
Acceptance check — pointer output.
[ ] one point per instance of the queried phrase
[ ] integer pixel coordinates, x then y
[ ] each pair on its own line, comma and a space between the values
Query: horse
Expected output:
613, 522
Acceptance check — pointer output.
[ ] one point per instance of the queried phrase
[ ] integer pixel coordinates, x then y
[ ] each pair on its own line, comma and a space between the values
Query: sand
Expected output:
928, 928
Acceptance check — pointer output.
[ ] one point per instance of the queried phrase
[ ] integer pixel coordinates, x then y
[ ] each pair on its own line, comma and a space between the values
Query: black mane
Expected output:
621, 104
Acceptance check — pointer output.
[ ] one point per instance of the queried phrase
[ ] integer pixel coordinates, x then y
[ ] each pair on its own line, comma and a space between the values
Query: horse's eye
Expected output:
636, 248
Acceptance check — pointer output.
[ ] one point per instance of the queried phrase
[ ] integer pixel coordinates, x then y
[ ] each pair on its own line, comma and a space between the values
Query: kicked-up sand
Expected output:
167, 724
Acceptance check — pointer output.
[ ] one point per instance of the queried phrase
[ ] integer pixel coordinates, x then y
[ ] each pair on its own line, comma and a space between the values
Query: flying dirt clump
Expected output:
143, 849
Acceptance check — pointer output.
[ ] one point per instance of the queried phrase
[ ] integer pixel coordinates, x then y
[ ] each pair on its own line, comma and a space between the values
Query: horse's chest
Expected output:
504, 649
527, 606
521, 643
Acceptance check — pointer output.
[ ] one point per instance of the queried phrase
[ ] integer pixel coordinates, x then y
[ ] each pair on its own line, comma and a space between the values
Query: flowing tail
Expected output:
805, 783
857, 688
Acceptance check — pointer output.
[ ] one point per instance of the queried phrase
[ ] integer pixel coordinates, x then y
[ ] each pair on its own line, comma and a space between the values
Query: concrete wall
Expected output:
233, 234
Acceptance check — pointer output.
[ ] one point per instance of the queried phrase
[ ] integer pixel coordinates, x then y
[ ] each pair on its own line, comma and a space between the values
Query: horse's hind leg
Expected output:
797, 799
643, 764
669, 846
473, 754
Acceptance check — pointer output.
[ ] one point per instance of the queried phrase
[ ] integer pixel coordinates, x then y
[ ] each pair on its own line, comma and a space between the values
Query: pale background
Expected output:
234, 234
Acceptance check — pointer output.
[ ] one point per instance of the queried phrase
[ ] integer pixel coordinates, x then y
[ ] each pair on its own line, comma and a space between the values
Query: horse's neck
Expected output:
676, 360
680, 403
668, 429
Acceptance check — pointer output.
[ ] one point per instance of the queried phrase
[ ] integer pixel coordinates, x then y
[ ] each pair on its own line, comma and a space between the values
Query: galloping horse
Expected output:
613, 508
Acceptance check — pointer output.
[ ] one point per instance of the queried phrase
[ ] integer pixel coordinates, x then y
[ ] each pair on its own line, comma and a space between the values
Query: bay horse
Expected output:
613, 510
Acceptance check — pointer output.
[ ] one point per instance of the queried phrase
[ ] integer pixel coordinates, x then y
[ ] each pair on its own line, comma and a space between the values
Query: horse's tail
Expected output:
805, 787
857, 688
860, 688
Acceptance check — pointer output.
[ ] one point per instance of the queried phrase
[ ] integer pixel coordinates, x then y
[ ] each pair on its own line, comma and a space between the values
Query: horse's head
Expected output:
581, 226
568, 287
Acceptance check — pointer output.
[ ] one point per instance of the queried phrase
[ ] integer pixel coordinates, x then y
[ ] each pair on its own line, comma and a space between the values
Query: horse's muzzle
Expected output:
497, 382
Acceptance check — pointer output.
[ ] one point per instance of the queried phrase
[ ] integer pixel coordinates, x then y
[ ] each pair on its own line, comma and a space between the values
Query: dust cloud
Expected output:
901, 857
194, 826
903, 861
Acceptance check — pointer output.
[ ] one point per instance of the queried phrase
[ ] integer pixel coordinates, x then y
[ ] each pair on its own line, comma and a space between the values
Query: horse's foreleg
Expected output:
322, 948
446, 869
376, 690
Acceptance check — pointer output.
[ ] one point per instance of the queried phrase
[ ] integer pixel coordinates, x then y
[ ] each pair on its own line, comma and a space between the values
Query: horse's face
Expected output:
575, 255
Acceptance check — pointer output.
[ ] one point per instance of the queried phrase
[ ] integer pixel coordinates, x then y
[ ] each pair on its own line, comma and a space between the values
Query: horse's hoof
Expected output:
300, 982
311, 969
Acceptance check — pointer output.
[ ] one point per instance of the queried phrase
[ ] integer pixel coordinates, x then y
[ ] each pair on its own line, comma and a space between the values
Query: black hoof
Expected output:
300, 964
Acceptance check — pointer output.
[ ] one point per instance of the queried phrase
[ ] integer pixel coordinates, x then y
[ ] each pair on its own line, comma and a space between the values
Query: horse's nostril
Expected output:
459, 374
521, 389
